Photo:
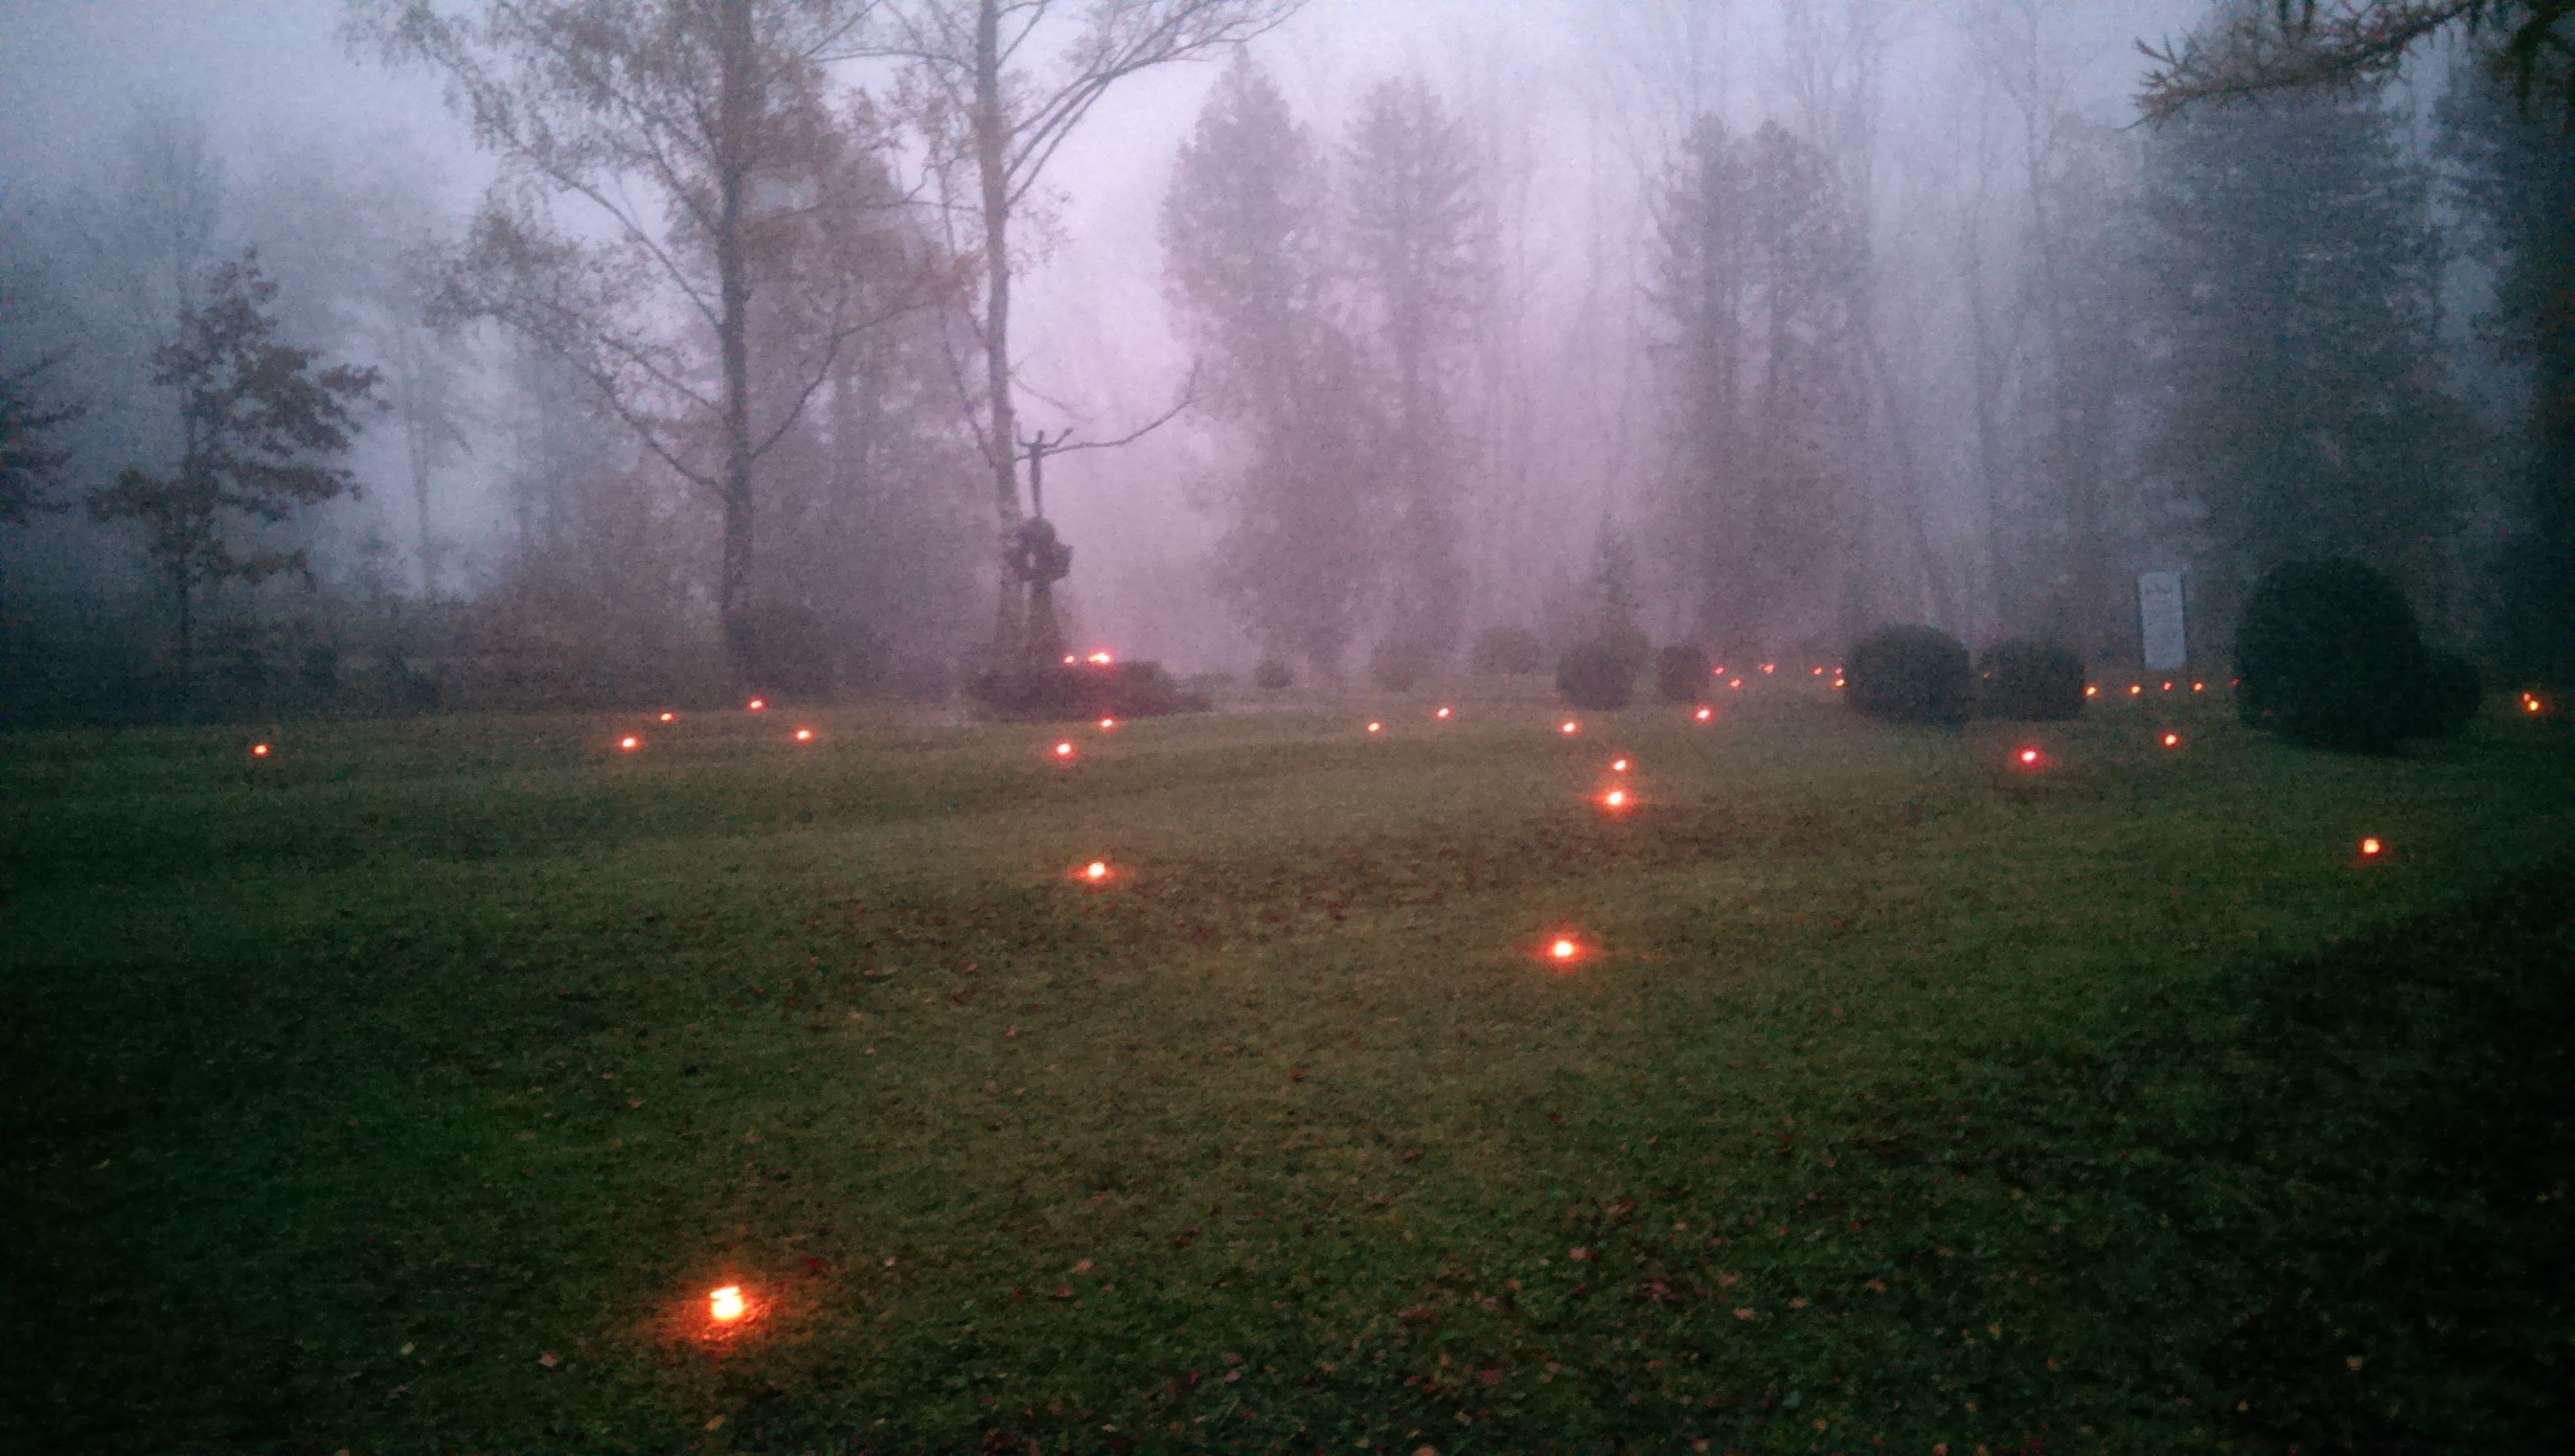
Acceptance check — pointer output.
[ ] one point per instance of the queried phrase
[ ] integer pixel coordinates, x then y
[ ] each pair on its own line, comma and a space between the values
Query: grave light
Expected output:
2030, 758
1769, 668
670, 717
259, 750
630, 742
803, 735
2135, 689
1735, 682
1100, 660
2172, 741
759, 704
1442, 713
1571, 727
1069, 660
1704, 712
2090, 690
1717, 672
1617, 766
2530, 704
726, 1306
1377, 728
2167, 687
1064, 753
1837, 681
2370, 849
2198, 686
1818, 672
1107, 723
1614, 799
1564, 948
1096, 872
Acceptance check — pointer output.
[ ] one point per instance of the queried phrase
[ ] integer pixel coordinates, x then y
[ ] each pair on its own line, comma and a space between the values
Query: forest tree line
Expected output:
727, 343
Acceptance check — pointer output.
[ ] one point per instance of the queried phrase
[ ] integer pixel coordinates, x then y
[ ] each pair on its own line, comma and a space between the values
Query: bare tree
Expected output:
994, 114
661, 160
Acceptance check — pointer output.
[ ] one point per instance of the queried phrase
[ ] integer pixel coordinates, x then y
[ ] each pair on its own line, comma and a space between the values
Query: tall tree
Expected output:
2296, 275
1761, 279
993, 112
1244, 238
2258, 47
30, 458
2514, 175
261, 432
660, 161
1418, 233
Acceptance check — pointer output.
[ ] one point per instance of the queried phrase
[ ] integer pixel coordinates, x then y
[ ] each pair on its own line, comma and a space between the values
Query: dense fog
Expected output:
1772, 322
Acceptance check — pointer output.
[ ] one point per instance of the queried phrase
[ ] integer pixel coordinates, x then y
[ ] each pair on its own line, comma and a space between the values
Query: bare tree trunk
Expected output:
1001, 447
736, 104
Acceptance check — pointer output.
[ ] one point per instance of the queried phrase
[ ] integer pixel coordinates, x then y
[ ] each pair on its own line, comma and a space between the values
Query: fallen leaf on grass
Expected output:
548, 1360
715, 1424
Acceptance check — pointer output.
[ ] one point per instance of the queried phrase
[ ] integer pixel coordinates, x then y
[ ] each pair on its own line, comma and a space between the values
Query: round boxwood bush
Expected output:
2327, 655
1681, 674
2032, 681
1273, 675
1597, 675
1502, 652
1913, 674
2449, 696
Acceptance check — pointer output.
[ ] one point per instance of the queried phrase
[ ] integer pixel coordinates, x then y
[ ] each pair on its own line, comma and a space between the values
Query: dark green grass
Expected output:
1904, 1100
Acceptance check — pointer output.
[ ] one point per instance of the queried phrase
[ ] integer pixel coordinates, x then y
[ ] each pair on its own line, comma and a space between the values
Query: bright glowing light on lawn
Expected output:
1096, 870
1705, 713
2370, 847
1069, 660
1100, 660
1735, 682
2135, 689
2167, 687
1377, 728
2029, 756
725, 1305
759, 704
1444, 713
1837, 681
1107, 723
2091, 692
1617, 766
1563, 949
1615, 799
1769, 666
2198, 686
1064, 750
2172, 741
2530, 704
670, 717
630, 742
1571, 727
259, 750
803, 735
1818, 672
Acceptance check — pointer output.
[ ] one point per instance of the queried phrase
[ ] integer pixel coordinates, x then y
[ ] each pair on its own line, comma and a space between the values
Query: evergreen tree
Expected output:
1760, 270
261, 432
1243, 233
2515, 174
2295, 273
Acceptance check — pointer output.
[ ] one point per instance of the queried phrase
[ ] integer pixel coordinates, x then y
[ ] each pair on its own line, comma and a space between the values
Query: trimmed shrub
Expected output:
1681, 674
1505, 651
2448, 700
1597, 675
1079, 690
2327, 655
2032, 681
1399, 665
1274, 676
1915, 674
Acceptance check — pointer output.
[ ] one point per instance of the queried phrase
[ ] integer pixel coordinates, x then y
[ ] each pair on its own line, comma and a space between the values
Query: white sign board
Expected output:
2159, 621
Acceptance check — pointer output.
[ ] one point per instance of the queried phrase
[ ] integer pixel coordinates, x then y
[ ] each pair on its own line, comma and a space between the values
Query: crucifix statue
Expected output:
1040, 561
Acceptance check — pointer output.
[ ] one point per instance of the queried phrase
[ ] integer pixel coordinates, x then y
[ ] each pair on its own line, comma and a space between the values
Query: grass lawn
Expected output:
408, 1088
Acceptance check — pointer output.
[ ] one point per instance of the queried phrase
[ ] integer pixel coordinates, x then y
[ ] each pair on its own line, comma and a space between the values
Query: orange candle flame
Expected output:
1096, 870
1100, 660
1769, 666
670, 717
1570, 726
259, 750
1705, 713
1064, 750
1735, 682
1377, 728
803, 735
1617, 766
757, 703
2369, 848
2172, 741
1615, 799
1563, 949
1444, 713
725, 1305
630, 742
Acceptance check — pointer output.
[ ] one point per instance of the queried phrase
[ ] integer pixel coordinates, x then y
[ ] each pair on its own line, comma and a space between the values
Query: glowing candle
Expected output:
670, 717
2167, 687
1617, 766
1444, 713
1769, 666
2198, 686
2135, 689
1704, 712
1562, 949
1735, 682
2091, 692
1064, 750
1069, 660
2369, 847
2172, 741
803, 735
1615, 799
1100, 660
1107, 723
1377, 728
630, 742
725, 1305
2530, 703
1571, 727
757, 703
1819, 672
1096, 870
259, 750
